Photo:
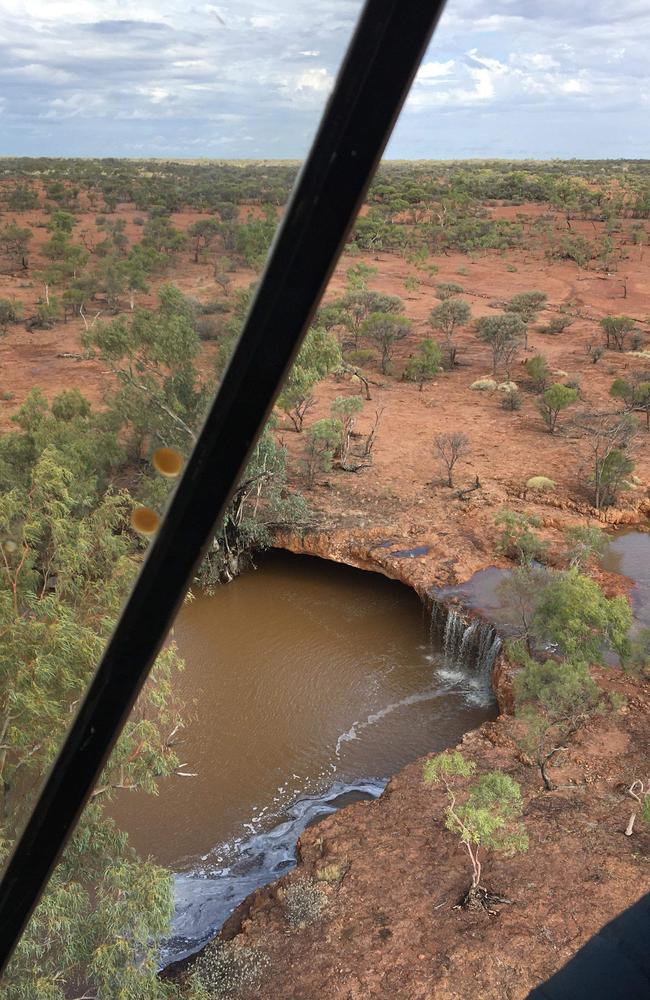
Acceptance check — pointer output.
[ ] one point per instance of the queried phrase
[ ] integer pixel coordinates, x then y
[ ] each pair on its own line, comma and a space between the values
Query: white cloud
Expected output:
434, 70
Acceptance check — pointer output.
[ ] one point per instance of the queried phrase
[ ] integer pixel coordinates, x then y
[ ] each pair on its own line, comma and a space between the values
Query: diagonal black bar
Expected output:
375, 77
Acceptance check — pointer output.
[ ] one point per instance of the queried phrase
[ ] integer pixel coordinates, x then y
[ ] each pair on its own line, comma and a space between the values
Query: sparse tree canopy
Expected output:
635, 394
450, 448
517, 540
556, 399
9, 313
386, 330
504, 335
617, 329
448, 318
607, 462
321, 441
487, 815
585, 542
552, 699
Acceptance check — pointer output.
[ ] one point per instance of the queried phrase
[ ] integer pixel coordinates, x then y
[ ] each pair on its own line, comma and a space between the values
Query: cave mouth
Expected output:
307, 682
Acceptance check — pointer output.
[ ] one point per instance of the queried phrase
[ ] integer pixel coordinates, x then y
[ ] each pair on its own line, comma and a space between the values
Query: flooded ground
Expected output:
305, 681
629, 554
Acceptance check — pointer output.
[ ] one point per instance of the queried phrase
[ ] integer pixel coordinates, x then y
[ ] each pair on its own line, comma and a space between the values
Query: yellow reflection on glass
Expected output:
145, 521
168, 462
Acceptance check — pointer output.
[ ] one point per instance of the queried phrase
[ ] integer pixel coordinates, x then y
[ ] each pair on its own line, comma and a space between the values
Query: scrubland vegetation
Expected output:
501, 308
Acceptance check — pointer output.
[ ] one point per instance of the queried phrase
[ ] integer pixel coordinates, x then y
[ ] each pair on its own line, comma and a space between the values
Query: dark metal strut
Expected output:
375, 77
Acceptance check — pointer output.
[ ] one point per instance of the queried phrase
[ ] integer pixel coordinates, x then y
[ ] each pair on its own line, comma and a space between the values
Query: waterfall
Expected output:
470, 646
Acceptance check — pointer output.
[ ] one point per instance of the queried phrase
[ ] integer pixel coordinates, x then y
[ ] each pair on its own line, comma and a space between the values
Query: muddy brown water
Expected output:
306, 683
629, 554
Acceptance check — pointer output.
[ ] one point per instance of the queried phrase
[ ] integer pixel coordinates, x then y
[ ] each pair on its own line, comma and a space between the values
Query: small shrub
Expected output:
484, 385
7, 395
585, 542
511, 400
447, 290
225, 969
138, 220
9, 313
557, 325
511, 268
214, 307
538, 372
303, 903
207, 328
424, 365
361, 357
541, 483
517, 541
508, 387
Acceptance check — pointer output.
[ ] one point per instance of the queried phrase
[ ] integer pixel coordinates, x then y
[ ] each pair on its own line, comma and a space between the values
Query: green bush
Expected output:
538, 372
9, 313
360, 358
557, 325
517, 541
511, 400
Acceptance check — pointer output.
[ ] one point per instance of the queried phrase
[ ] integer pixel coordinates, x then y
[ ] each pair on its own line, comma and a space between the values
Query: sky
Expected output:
245, 79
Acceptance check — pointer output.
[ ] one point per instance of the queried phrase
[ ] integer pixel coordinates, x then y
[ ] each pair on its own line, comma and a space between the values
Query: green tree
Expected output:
538, 372
262, 501
486, 818
552, 699
61, 222
318, 356
425, 364
527, 305
448, 318
14, 245
358, 305
152, 355
386, 330
585, 542
518, 592
9, 313
203, 233
160, 235
607, 463
66, 563
635, 394
517, 540
554, 400
504, 335
345, 409
321, 442
617, 329
573, 613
